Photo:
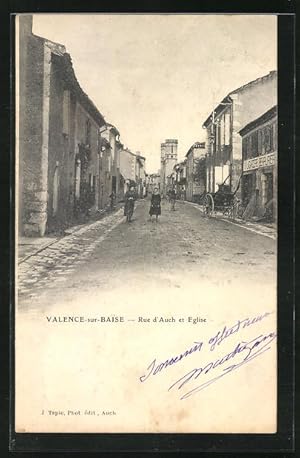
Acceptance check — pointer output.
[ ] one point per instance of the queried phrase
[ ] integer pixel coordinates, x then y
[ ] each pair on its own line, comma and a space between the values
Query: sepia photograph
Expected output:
146, 223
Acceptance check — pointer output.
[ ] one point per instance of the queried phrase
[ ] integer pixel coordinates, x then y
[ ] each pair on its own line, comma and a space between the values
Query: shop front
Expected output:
258, 185
259, 167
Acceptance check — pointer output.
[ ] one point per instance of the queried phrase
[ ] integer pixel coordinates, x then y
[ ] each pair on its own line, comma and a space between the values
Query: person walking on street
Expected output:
155, 207
130, 198
172, 199
182, 195
112, 200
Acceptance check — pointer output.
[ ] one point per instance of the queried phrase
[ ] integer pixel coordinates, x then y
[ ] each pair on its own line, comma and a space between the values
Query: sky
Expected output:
159, 76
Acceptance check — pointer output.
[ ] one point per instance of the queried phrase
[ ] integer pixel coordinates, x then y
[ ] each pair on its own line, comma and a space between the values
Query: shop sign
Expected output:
259, 161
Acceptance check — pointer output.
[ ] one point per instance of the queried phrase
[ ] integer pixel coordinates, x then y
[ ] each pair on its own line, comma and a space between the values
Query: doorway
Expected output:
248, 188
55, 192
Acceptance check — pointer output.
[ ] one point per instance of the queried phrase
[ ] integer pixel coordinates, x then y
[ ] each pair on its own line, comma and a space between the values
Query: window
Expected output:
99, 141
271, 138
274, 136
244, 148
66, 112
254, 144
260, 142
218, 132
222, 131
248, 147
267, 139
55, 191
88, 132
227, 128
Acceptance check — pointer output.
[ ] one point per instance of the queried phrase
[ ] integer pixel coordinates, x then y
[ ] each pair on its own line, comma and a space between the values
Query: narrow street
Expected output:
109, 255
87, 310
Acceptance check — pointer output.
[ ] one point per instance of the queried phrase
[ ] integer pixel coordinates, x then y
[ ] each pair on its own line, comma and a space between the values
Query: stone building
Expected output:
195, 171
112, 135
140, 173
179, 180
259, 179
224, 144
128, 167
59, 149
168, 158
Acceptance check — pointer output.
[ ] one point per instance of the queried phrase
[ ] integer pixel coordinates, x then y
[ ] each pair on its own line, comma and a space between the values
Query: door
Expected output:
114, 184
248, 188
55, 192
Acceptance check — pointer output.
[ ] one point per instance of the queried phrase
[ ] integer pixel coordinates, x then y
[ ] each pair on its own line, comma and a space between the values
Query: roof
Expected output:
168, 141
105, 142
127, 150
113, 128
180, 165
171, 140
260, 120
228, 99
64, 63
140, 159
195, 145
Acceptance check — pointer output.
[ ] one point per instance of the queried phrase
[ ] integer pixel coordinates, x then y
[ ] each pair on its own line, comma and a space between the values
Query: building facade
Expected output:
259, 154
111, 134
178, 180
58, 146
128, 167
224, 144
140, 172
195, 171
168, 158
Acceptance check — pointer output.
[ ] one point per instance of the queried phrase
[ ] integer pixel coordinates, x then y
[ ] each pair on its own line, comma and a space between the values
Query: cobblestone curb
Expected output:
61, 258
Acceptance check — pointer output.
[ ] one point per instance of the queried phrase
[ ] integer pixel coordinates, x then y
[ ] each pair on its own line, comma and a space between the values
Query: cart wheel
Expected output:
203, 205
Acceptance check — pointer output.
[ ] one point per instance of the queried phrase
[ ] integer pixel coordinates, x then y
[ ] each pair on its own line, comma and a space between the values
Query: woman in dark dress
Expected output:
155, 208
130, 198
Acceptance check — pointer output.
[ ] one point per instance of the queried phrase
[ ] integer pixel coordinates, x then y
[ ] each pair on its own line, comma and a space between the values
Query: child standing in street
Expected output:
155, 208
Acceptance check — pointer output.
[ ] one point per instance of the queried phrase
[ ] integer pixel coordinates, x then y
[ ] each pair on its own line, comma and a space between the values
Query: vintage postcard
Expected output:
146, 235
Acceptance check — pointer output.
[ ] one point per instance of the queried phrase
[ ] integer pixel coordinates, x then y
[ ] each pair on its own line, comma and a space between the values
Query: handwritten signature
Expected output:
251, 349
154, 368
228, 331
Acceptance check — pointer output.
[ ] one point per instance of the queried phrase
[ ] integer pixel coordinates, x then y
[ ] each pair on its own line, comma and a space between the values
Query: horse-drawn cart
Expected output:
223, 201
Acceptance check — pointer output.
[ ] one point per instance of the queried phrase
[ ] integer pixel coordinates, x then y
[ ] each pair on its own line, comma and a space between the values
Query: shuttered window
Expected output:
66, 112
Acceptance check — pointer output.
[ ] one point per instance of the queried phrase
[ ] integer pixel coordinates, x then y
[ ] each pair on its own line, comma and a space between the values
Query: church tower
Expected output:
168, 158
